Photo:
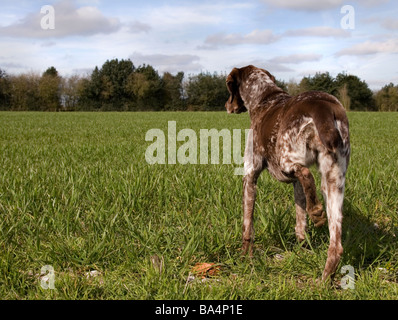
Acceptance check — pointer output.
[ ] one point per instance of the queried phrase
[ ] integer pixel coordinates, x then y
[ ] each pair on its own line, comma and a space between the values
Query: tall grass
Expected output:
76, 193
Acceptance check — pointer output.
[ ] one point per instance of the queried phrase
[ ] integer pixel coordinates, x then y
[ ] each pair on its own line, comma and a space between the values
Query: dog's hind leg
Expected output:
333, 184
313, 205
301, 214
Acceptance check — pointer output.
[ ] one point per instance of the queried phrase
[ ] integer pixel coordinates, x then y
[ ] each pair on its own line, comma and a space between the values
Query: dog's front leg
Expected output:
253, 165
249, 198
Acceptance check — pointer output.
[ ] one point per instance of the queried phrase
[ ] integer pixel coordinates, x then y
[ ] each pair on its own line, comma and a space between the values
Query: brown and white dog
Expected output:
289, 134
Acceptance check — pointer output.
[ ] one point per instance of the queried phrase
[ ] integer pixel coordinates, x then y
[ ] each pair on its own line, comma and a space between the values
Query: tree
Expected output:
114, 75
92, 92
387, 98
206, 91
25, 92
293, 88
352, 92
358, 91
145, 86
51, 72
50, 90
71, 92
320, 82
173, 91
344, 97
4, 91
281, 84
84, 95
118, 85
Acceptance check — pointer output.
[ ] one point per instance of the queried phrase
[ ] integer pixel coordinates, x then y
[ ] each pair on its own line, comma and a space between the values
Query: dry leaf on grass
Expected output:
205, 269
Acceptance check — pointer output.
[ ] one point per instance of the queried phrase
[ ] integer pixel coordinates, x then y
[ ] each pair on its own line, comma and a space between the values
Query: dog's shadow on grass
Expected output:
365, 242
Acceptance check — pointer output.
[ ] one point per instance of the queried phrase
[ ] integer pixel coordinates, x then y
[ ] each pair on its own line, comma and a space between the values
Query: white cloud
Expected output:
13, 65
69, 21
278, 64
306, 5
267, 65
48, 44
371, 3
254, 37
195, 13
296, 58
370, 47
261, 37
318, 5
390, 24
318, 32
168, 63
137, 27
183, 15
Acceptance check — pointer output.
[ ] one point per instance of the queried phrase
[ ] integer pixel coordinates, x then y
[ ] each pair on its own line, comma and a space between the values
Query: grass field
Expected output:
76, 193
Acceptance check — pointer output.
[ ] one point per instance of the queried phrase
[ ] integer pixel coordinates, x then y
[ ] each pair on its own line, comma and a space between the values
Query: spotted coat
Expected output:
289, 134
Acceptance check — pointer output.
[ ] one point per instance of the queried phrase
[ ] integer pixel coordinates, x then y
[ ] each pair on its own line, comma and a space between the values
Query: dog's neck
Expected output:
259, 92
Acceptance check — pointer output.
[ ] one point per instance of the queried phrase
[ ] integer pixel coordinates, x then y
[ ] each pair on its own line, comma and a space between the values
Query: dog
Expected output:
288, 135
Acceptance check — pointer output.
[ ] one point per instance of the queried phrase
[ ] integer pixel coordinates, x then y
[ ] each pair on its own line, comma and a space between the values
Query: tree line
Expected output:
120, 86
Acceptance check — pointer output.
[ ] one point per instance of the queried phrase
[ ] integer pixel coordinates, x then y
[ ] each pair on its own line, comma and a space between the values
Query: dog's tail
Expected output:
332, 124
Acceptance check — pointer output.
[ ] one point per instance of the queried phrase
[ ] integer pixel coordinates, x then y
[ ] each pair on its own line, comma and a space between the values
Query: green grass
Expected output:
76, 193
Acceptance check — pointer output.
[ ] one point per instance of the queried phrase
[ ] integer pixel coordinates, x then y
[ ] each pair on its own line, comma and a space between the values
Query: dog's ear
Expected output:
235, 103
233, 80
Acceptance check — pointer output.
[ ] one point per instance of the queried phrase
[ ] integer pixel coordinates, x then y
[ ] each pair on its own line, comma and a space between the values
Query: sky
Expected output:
291, 39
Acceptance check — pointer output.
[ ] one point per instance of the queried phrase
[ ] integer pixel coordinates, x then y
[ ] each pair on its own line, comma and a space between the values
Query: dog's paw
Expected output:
318, 216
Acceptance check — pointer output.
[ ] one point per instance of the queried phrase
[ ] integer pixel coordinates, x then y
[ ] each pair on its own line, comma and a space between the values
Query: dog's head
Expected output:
235, 103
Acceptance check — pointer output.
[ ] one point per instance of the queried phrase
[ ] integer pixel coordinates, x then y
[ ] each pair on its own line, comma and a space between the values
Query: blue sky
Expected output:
291, 39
